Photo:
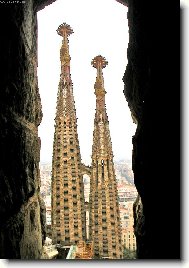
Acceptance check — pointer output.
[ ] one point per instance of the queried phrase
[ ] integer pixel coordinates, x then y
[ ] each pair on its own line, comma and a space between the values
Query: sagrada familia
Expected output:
68, 203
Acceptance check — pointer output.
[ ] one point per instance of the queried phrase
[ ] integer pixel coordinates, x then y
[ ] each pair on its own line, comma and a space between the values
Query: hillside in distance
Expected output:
123, 168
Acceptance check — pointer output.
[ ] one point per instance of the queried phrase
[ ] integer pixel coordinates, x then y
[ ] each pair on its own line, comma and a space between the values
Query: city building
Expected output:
127, 223
104, 217
127, 194
45, 174
68, 211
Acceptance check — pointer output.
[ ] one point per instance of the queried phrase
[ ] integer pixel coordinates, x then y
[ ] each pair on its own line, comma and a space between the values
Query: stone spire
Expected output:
68, 215
105, 228
65, 92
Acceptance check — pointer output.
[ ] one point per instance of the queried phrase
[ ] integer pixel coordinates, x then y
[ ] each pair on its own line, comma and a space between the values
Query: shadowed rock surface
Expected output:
152, 91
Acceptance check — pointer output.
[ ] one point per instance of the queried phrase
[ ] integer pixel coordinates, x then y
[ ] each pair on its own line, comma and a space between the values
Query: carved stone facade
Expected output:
105, 226
68, 216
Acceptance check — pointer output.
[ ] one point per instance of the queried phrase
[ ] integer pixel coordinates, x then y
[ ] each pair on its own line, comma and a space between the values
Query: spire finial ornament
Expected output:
99, 63
64, 30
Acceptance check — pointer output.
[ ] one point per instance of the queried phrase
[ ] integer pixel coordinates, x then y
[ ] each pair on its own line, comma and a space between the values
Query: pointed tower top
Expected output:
65, 101
64, 29
99, 62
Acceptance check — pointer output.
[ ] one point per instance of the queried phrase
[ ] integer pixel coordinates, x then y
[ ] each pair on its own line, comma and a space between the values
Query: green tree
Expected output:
129, 254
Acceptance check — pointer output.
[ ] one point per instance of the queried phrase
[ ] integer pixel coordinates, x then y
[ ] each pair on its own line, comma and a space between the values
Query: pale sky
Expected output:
100, 27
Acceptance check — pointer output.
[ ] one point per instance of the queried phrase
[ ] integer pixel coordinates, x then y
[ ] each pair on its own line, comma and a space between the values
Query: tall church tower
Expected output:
105, 227
68, 215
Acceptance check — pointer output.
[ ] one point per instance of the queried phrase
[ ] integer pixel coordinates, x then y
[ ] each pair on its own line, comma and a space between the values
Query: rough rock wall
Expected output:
150, 80
21, 212
139, 226
40, 4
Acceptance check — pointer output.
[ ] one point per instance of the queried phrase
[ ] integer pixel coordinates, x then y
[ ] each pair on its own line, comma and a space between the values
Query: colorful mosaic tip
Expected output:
99, 60
64, 28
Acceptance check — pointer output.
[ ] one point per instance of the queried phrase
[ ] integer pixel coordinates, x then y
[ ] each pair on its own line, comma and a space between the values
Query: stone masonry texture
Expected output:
104, 216
68, 215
